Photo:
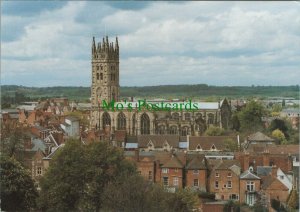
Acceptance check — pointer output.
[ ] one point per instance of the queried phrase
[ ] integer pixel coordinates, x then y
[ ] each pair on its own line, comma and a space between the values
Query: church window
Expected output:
145, 124
133, 124
210, 118
161, 130
101, 67
106, 120
97, 76
121, 121
184, 131
175, 116
173, 130
101, 76
187, 116
97, 68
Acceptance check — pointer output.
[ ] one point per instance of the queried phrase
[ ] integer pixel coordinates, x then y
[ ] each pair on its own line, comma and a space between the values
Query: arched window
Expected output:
210, 119
198, 116
173, 130
175, 116
161, 130
133, 124
187, 116
145, 124
106, 120
121, 121
184, 131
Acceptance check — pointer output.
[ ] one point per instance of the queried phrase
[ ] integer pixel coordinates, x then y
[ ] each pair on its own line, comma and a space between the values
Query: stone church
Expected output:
105, 86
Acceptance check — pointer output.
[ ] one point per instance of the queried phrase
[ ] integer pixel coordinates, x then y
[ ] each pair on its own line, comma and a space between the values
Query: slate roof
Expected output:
206, 142
173, 162
259, 137
158, 140
263, 170
226, 164
38, 144
197, 162
249, 176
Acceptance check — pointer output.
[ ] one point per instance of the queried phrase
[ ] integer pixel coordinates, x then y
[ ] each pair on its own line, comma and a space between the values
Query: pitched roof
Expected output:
226, 164
206, 142
263, 170
198, 162
249, 176
272, 183
158, 140
260, 137
174, 162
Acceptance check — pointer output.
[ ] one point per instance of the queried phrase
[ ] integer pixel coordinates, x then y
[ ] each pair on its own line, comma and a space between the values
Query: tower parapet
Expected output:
105, 50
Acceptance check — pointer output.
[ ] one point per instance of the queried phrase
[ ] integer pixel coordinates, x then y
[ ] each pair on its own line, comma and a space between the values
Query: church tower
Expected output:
105, 72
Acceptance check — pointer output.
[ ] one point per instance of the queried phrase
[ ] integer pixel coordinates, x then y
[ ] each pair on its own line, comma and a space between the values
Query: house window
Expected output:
250, 186
217, 174
196, 182
175, 181
195, 171
39, 171
165, 181
165, 170
234, 196
229, 184
216, 184
229, 174
176, 170
139, 172
150, 176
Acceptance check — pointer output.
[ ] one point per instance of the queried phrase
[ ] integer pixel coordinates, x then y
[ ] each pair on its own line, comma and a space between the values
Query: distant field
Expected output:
200, 91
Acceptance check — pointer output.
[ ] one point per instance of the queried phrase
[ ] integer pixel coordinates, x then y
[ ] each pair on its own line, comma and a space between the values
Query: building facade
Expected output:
105, 86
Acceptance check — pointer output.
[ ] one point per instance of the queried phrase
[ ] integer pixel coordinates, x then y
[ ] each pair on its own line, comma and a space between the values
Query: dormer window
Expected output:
165, 170
217, 174
198, 147
229, 174
213, 147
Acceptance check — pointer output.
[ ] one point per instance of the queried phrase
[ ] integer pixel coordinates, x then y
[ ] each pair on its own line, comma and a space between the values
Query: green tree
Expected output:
18, 192
235, 122
182, 200
293, 200
78, 175
214, 131
279, 135
231, 145
251, 117
280, 124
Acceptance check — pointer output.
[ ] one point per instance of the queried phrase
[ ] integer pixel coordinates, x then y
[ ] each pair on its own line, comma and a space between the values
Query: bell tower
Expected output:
105, 72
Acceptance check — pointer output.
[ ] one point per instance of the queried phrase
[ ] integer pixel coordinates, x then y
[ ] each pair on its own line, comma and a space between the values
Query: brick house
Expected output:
224, 179
249, 187
196, 173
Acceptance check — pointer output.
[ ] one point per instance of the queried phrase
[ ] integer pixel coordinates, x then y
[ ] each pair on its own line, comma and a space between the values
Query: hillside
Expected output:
200, 91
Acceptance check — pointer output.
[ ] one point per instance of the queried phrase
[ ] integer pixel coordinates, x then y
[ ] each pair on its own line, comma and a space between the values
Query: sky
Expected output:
161, 43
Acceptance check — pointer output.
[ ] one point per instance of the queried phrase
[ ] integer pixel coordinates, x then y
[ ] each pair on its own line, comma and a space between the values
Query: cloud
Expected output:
218, 43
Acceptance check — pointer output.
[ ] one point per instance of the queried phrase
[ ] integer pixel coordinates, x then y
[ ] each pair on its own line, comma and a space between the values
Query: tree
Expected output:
235, 122
214, 131
78, 175
182, 200
134, 193
251, 117
230, 145
18, 192
281, 125
279, 135
293, 200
